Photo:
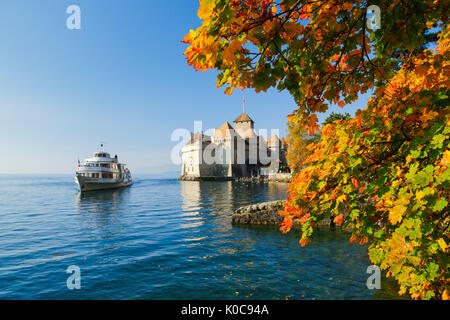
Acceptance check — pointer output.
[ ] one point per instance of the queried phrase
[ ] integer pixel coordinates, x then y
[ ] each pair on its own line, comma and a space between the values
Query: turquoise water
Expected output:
165, 239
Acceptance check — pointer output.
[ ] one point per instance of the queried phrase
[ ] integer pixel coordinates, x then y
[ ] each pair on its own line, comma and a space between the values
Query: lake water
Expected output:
165, 239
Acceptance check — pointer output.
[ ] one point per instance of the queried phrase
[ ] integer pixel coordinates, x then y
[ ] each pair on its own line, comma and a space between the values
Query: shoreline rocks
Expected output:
266, 213
194, 178
261, 213
280, 177
277, 177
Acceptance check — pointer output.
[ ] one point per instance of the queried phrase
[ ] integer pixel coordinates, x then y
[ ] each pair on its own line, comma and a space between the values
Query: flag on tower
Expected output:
243, 105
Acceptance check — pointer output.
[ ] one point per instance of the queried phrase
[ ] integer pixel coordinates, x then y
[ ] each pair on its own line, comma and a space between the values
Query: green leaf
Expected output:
439, 205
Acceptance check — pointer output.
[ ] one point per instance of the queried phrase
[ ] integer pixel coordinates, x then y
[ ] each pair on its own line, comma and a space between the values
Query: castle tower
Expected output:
243, 124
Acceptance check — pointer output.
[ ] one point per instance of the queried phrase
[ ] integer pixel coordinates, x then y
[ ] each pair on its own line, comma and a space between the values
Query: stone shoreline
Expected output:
280, 177
262, 213
265, 213
190, 178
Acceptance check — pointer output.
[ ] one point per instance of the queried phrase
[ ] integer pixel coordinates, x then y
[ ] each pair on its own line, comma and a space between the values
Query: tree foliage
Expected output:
300, 143
299, 146
384, 173
336, 116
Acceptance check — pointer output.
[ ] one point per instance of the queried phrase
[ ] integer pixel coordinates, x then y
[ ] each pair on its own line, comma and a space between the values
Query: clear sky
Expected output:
121, 79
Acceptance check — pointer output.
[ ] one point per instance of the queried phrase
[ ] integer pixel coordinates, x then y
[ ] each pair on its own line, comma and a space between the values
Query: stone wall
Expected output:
193, 178
265, 213
279, 177
262, 213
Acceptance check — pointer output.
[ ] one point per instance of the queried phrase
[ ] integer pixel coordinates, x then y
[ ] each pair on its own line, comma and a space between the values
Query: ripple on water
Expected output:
164, 239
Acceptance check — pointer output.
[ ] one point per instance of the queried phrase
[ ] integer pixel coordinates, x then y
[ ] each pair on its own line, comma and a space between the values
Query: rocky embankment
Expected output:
264, 213
261, 213
277, 177
194, 178
280, 177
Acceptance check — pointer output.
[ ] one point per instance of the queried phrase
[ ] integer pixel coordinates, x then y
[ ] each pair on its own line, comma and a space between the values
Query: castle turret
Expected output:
274, 142
243, 124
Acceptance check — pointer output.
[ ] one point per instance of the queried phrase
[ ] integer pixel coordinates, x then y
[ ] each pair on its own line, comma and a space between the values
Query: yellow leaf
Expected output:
445, 295
396, 213
228, 52
341, 198
188, 38
205, 10
408, 159
420, 194
445, 158
442, 244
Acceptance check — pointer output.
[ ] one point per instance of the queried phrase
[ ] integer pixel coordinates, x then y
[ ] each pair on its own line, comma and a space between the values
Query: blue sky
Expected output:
121, 79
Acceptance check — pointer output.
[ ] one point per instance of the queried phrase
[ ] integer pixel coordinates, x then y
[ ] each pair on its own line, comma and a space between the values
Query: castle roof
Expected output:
273, 139
243, 118
223, 131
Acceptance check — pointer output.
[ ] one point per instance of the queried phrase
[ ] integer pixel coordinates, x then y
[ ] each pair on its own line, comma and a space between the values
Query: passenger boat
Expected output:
102, 172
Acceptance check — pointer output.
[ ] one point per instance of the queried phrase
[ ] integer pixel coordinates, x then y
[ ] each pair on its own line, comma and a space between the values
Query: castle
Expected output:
231, 153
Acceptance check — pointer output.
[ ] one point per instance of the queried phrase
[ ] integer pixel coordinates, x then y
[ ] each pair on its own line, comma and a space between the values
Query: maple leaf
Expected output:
339, 219
442, 244
396, 213
228, 53
445, 295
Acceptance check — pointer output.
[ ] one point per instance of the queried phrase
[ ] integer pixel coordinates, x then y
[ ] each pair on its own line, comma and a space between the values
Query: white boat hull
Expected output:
93, 184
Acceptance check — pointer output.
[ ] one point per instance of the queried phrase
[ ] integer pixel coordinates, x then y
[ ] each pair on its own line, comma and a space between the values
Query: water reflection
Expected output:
225, 197
107, 201
191, 195
102, 209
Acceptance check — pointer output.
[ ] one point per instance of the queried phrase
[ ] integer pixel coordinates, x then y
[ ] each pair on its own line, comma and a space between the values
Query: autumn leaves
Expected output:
384, 173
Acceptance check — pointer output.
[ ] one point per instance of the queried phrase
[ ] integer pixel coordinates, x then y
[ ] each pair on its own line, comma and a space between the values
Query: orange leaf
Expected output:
304, 242
396, 213
445, 295
304, 218
339, 219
